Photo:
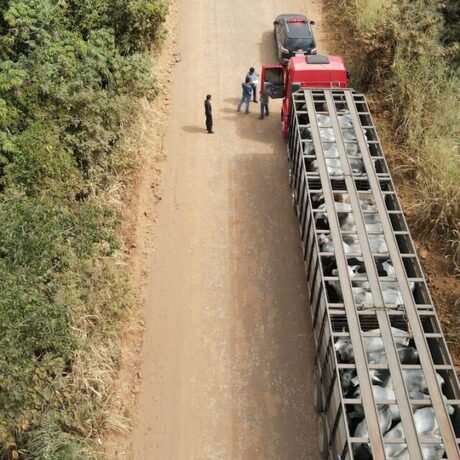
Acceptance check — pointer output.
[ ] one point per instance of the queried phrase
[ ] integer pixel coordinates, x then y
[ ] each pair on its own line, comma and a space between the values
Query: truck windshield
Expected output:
299, 44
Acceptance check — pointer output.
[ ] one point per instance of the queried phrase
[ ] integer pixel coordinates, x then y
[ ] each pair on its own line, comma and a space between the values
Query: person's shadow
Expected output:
193, 129
233, 102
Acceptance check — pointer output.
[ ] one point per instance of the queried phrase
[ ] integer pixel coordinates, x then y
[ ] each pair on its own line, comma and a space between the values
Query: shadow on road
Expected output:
267, 48
231, 109
271, 322
232, 100
249, 126
193, 129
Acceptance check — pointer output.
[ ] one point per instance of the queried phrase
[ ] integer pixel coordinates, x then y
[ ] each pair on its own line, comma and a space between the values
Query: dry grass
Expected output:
368, 12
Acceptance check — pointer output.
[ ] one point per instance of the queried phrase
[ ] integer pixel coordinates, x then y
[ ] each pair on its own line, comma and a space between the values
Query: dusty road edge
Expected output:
141, 194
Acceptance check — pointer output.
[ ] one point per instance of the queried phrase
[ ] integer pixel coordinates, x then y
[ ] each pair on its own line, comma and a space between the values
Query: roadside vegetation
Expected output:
71, 74
405, 55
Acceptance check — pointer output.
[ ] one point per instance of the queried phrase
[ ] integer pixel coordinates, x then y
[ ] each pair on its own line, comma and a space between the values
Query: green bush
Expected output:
450, 34
70, 74
136, 23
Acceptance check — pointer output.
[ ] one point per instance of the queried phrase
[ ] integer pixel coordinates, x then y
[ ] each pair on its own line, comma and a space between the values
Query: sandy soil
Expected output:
226, 365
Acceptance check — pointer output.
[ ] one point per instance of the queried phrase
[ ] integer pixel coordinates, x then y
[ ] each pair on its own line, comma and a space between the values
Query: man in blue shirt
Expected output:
247, 93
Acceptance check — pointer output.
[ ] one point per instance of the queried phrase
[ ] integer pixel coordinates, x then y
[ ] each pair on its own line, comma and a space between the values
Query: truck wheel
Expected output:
318, 399
323, 440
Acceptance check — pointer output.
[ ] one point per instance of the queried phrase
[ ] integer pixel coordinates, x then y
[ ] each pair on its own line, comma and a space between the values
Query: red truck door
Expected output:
273, 81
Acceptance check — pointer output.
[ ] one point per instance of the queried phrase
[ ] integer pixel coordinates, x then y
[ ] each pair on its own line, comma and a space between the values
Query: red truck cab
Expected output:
311, 71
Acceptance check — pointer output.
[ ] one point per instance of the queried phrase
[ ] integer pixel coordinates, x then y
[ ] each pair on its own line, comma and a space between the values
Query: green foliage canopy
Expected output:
70, 74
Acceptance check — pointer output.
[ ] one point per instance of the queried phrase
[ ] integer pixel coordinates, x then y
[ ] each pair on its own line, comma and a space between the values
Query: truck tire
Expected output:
323, 439
318, 398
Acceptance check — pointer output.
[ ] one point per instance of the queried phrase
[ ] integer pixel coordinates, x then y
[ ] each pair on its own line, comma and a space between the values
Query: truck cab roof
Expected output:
317, 71
316, 62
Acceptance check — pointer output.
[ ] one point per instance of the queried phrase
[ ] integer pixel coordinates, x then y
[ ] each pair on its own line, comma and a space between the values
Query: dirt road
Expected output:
228, 352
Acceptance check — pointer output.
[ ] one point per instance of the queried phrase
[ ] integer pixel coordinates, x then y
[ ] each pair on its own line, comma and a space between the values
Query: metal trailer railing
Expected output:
335, 124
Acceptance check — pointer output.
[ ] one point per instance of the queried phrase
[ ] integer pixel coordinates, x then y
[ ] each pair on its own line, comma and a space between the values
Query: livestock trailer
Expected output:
370, 304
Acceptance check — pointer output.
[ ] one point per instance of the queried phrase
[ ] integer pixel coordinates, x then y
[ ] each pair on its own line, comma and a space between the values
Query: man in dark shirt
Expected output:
208, 113
263, 105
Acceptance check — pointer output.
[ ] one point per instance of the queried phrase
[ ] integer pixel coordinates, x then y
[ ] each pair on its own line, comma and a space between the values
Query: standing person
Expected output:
254, 80
246, 97
208, 113
263, 105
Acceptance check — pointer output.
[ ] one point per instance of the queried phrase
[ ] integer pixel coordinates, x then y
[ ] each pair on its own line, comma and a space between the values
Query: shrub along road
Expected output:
71, 76
228, 351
